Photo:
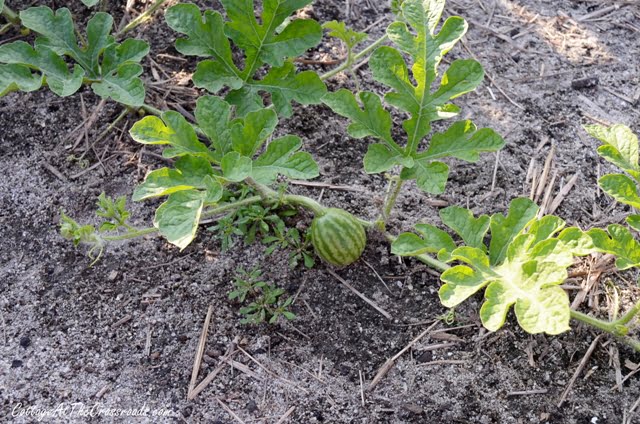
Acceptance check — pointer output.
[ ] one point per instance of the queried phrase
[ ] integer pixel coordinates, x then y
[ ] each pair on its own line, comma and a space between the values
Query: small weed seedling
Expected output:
267, 304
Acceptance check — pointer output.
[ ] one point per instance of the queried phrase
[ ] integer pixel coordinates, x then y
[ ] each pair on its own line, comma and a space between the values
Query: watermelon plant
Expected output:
226, 164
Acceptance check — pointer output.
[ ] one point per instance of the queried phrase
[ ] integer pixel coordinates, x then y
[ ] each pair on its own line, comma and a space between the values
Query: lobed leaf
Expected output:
269, 42
350, 37
177, 219
113, 69
369, 120
415, 34
88, 3
528, 277
504, 229
283, 158
463, 141
472, 230
619, 242
621, 188
53, 67
620, 146
431, 240
191, 172
173, 130
18, 77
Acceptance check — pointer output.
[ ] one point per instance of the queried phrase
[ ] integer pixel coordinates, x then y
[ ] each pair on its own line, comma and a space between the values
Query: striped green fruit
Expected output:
337, 237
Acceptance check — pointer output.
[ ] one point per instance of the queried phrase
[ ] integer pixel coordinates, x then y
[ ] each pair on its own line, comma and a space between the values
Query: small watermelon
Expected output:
337, 237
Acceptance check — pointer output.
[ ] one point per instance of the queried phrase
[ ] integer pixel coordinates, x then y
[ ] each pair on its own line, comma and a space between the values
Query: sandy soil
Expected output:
123, 334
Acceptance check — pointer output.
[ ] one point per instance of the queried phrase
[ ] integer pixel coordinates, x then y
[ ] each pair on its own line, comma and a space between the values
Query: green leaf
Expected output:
619, 242
282, 157
191, 173
1, 5
124, 86
369, 120
285, 86
461, 282
634, 222
463, 141
350, 37
177, 219
113, 69
430, 176
504, 229
206, 39
248, 135
472, 230
18, 78
236, 167
88, 3
621, 188
174, 130
577, 240
620, 146
53, 67
427, 49
431, 240
535, 265
380, 158
261, 43
213, 116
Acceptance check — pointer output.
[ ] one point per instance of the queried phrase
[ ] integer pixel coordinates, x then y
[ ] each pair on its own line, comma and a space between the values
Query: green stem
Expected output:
424, 258
10, 15
141, 18
356, 57
392, 198
617, 328
131, 234
5, 28
150, 109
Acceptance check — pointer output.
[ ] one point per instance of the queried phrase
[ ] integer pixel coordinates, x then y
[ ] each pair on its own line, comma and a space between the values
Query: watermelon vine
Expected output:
226, 161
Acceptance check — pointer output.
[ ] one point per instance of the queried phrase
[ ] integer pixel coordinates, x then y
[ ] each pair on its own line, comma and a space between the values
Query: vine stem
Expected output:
356, 57
393, 197
10, 15
143, 17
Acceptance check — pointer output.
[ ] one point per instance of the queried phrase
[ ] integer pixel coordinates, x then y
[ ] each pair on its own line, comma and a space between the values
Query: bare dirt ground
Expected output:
123, 334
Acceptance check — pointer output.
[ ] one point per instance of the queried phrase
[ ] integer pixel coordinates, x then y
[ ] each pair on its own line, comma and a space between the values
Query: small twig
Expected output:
54, 171
209, 378
200, 351
141, 18
286, 415
598, 13
581, 366
361, 296
273, 374
386, 367
229, 411
377, 275
443, 362
361, 387
528, 392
